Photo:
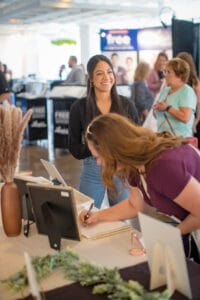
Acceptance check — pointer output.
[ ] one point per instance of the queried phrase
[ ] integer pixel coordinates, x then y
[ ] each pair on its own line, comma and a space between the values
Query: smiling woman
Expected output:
101, 98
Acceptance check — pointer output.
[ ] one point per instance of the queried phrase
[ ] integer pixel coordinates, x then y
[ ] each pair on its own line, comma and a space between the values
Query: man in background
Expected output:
130, 70
4, 87
120, 72
76, 76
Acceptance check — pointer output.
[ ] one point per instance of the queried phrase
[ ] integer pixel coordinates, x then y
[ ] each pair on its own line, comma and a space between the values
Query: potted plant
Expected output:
12, 125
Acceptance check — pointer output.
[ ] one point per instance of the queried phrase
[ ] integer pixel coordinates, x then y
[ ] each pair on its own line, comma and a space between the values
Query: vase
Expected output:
11, 209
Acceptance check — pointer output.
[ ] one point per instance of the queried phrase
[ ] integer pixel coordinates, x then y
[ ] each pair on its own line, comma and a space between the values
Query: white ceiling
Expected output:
105, 13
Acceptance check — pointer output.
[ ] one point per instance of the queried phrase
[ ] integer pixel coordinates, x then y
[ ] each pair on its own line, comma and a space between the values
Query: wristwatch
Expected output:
168, 107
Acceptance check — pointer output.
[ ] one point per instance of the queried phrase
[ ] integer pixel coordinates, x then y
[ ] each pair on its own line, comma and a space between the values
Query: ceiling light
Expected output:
15, 21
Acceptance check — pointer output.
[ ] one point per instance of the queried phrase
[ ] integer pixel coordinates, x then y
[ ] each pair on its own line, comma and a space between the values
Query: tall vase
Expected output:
11, 209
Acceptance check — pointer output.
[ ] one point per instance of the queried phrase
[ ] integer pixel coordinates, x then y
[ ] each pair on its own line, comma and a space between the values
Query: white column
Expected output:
85, 43
90, 42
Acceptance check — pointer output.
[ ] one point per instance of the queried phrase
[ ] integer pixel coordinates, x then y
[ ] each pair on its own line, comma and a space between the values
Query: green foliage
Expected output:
60, 42
104, 280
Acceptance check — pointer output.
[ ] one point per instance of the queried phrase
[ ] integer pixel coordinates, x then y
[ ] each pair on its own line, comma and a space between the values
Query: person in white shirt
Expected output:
76, 76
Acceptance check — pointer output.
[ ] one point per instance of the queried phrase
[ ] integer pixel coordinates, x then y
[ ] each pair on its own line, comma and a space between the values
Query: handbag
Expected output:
192, 140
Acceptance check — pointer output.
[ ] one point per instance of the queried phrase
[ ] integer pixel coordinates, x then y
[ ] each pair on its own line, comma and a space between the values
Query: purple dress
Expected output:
166, 178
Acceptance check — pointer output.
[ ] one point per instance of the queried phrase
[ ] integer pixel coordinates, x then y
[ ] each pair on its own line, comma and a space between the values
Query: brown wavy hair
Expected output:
122, 143
161, 54
193, 78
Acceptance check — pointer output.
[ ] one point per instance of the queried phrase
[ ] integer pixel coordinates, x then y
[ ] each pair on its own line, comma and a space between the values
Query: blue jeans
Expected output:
91, 184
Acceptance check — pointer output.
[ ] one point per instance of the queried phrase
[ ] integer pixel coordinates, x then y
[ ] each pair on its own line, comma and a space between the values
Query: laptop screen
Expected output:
53, 172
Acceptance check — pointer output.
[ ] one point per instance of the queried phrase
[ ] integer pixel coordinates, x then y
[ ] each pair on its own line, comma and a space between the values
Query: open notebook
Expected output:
103, 229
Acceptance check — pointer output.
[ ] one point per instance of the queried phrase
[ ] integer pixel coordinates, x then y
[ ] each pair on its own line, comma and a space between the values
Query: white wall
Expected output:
29, 50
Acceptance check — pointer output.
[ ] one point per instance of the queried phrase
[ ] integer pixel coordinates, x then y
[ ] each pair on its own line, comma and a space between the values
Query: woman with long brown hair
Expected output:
102, 97
156, 75
162, 170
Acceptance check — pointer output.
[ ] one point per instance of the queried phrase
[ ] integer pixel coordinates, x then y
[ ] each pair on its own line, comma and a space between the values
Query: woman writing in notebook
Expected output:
177, 102
162, 170
101, 98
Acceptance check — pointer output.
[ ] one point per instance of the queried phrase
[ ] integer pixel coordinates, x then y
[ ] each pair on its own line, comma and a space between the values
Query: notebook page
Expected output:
103, 229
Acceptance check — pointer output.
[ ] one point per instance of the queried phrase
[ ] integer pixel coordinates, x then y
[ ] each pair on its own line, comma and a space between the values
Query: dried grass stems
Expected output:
12, 126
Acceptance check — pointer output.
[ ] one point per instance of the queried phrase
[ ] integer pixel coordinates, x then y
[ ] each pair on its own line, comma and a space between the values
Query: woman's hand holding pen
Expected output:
88, 217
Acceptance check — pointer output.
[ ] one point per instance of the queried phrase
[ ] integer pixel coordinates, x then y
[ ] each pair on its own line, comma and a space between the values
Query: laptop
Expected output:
53, 173
82, 200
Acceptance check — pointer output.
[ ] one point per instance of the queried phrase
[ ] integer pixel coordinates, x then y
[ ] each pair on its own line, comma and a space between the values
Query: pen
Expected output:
88, 212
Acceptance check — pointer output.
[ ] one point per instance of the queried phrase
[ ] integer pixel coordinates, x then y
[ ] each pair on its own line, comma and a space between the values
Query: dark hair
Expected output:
193, 78
163, 54
91, 97
160, 54
114, 54
74, 58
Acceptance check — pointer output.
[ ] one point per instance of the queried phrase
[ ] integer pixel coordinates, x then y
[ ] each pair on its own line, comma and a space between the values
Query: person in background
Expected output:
61, 70
76, 76
140, 93
162, 170
4, 87
120, 72
8, 75
156, 75
101, 98
194, 82
129, 69
176, 104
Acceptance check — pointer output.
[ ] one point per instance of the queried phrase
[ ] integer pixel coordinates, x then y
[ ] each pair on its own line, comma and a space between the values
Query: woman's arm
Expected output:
126, 209
189, 199
182, 114
76, 144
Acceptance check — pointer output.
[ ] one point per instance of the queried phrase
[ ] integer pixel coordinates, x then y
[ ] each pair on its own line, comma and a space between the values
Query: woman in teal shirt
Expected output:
177, 102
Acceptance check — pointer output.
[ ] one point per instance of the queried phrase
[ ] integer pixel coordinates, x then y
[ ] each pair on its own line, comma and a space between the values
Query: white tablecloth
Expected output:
110, 251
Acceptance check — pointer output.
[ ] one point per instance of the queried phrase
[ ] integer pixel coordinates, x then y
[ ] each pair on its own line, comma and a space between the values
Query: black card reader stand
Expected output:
55, 181
53, 232
28, 213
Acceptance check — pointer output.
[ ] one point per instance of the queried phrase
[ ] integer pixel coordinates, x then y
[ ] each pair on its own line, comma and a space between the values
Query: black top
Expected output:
4, 88
78, 124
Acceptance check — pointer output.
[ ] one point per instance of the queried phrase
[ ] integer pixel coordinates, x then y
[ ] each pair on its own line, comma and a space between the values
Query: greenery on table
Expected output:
104, 280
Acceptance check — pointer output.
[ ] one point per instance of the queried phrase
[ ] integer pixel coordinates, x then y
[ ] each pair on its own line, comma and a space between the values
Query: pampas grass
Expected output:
12, 126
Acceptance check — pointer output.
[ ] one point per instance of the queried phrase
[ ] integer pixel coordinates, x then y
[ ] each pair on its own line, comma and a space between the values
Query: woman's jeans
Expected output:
91, 184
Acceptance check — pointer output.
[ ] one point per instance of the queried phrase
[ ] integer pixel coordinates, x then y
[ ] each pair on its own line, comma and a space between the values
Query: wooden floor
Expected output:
68, 166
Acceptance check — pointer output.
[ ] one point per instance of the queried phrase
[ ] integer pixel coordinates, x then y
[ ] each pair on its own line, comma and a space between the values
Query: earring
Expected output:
91, 84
